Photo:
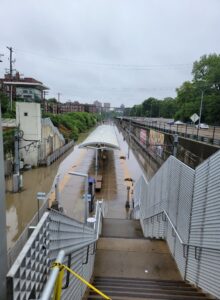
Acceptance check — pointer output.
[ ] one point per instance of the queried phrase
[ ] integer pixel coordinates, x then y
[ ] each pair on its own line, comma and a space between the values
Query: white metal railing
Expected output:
57, 153
81, 260
55, 232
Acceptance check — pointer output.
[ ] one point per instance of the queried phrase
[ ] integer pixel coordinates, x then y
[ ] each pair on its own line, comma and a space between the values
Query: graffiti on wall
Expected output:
156, 140
143, 136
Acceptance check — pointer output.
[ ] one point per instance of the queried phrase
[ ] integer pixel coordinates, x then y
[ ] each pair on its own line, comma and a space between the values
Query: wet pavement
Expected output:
135, 258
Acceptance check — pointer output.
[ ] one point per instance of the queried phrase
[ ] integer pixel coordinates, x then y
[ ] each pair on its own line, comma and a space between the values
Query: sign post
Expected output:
194, 118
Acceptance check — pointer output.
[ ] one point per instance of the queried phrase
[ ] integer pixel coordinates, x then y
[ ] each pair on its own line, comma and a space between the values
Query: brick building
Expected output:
23, 88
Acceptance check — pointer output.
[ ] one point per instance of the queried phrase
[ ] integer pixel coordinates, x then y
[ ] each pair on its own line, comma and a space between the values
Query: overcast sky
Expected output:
118, 51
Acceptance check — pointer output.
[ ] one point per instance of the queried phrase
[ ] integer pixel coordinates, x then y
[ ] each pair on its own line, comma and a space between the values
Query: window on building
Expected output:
25, 114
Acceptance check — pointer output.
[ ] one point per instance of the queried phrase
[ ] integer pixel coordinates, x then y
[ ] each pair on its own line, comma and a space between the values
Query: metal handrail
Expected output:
47, 291
177, 234
53, 277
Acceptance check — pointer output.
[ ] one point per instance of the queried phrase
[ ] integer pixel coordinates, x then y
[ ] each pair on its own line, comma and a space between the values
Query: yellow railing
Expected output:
58, 285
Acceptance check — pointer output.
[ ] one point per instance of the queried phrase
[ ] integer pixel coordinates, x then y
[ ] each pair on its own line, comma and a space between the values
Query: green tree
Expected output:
207, 71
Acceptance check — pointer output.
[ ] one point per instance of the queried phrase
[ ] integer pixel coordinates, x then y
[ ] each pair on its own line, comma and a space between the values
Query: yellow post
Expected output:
58, 285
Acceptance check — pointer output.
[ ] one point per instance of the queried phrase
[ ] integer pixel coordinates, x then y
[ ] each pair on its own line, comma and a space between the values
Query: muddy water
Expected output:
22, 206
116, 168
119, 166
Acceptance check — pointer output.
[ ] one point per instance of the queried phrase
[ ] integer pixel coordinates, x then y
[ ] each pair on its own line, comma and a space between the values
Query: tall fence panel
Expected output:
183, 206
204, 258
170, 190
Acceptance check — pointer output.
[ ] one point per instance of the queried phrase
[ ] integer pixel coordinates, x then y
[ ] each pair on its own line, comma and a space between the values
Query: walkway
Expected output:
122, 251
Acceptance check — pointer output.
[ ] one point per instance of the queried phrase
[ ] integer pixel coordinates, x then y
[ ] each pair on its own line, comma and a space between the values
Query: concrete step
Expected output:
144, 286
119, 288
122, 228
131, 295
148, 290
139, 280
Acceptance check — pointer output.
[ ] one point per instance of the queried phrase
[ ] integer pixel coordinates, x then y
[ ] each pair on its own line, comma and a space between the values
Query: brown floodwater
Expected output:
118, 166
22, 206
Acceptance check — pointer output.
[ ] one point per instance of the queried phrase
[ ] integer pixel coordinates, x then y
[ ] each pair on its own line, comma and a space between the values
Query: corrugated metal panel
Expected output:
170, 238
29, 271
179, 256
82, 265
54, 232
67, 234
205, 227
203, 269
192, 201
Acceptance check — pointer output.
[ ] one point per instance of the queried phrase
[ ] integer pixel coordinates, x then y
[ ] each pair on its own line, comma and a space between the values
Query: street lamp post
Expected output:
86, 192
40, 197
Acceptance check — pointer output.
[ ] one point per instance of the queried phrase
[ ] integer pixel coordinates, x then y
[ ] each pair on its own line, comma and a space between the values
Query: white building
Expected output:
28, 118
39, 137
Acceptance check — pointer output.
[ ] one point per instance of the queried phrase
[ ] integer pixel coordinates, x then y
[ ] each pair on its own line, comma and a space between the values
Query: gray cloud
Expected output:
121, 51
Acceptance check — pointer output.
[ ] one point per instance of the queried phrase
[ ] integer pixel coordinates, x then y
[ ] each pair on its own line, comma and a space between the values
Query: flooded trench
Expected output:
118, 165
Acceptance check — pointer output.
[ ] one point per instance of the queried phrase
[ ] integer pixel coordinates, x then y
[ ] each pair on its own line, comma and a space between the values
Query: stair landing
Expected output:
121, 228
136, 258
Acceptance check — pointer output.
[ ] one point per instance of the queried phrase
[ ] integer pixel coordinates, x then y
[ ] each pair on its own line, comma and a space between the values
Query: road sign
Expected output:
194, 118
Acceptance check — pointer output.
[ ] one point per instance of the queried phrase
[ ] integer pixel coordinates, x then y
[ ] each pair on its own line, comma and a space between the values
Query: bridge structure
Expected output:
168, 248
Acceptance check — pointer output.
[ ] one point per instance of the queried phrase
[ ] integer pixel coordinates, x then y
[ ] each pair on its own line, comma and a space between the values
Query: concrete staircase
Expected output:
134, 289
129, 266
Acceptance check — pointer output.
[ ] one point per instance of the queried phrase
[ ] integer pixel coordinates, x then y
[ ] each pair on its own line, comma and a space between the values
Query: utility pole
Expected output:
200, 110
11, 75
58, 101
3, 243
58, 94
16, 175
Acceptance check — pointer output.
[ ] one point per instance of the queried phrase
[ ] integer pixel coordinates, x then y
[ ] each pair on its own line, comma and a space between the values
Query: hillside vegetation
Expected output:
72, 124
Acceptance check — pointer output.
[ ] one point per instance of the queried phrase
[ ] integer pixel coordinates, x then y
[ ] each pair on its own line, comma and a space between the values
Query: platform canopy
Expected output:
103, 136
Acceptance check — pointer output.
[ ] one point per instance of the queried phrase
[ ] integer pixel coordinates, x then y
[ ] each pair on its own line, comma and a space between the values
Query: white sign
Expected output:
194, 118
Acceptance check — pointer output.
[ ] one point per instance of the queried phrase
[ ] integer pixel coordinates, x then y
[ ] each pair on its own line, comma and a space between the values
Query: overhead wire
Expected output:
110, 65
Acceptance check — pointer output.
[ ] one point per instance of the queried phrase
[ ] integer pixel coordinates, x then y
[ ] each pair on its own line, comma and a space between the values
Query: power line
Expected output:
112, 65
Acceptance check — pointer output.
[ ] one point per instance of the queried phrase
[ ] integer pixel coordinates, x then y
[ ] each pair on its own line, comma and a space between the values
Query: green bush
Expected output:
72, 124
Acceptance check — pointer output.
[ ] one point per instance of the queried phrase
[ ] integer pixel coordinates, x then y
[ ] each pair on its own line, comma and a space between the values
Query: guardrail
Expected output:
56, 154
209, 136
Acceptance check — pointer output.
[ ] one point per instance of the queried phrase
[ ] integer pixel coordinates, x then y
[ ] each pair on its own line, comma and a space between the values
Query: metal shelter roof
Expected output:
102, 137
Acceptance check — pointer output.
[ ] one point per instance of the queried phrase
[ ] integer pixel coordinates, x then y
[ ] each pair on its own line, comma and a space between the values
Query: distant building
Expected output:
90, 108
55, 107
70, 107
98, 106
106, 107
27, 88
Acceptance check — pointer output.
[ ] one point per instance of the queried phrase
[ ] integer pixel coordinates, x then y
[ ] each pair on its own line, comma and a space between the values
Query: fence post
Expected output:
186, 131
213, 135
3, 243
